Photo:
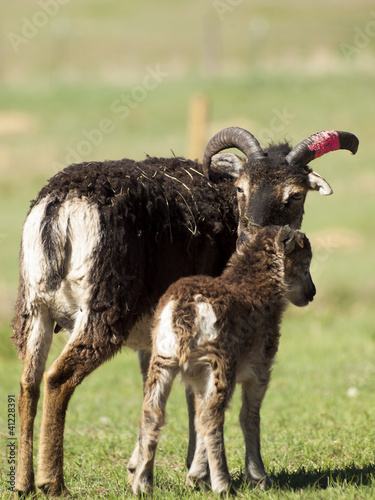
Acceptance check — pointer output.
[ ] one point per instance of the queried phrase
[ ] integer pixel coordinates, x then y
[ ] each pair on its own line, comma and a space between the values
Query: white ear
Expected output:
229, 163
319, 184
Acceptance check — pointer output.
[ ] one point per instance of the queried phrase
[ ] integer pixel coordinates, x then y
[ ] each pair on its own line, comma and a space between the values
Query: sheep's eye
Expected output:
239, 190
296, 196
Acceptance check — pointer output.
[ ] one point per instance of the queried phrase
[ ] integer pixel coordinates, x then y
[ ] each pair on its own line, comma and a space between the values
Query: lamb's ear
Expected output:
229, 163
286, 239
319, 184
244, 237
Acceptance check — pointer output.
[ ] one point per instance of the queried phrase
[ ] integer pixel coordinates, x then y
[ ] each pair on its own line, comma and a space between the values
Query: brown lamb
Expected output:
218, 332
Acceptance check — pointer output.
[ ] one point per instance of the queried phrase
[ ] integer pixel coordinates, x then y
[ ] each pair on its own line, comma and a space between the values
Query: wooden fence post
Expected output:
197, 126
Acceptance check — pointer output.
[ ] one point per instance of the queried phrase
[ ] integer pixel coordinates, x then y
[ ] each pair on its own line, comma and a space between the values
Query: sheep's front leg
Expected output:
252, 396
161, 374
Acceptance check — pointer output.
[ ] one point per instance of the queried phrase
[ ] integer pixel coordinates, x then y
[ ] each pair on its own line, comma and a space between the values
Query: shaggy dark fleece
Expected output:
150, 212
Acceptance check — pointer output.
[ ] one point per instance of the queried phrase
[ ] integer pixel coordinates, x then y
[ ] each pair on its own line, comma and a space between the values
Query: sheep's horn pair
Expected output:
232, 137
314, 146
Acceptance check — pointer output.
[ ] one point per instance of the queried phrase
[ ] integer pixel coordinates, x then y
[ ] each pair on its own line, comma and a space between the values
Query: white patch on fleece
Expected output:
205, 321
77, 230
40, 337
34, 263
165, 338
80, 220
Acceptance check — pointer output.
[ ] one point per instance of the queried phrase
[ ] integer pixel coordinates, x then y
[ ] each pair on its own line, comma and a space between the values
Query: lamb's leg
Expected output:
252, 396
39, 334
190, 400
161, 374
144, 362
211, 412
144, 358
199, 472
77, 361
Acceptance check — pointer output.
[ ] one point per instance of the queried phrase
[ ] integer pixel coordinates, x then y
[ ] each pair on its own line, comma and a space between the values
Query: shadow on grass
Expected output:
322, 479
315, 480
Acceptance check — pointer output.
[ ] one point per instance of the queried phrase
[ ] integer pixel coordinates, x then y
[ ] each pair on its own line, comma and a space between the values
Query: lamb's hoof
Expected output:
142, 488
27, 492
54, 490
197, 483
142, 484
261, 484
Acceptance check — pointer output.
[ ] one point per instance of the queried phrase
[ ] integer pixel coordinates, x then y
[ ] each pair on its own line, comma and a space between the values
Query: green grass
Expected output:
318, 418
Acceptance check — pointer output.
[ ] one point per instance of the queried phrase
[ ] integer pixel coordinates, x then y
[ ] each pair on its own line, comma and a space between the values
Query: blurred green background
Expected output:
92, 80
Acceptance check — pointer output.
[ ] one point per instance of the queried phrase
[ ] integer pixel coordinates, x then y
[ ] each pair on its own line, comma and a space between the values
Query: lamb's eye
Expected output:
296, 196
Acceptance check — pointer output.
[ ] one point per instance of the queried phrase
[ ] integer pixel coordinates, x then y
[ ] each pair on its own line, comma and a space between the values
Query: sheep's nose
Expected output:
312, 293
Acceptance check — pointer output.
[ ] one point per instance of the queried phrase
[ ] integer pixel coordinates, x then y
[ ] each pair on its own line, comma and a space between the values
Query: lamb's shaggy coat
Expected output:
216, 332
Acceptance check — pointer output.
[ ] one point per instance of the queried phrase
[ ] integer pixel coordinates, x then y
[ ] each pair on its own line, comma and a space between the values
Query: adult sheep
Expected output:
104, 240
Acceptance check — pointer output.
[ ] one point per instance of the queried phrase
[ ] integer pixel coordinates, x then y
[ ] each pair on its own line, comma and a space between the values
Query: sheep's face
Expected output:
296, 249
267, 195
269, 191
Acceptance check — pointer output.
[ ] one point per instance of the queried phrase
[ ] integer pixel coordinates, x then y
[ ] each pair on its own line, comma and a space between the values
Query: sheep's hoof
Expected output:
54, 490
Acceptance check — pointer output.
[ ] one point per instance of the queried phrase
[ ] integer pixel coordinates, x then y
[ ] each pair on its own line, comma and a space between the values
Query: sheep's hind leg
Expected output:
199, 471
252, 396
190, 400
144, 362
161, 374
77, 361
211, 413
40, 332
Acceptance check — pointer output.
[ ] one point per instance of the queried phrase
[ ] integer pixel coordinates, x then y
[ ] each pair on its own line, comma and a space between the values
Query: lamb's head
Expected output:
272, 184
296, 251
283, 251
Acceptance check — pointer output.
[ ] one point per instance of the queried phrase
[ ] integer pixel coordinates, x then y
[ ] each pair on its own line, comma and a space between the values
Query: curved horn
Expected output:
321, 143
228, 138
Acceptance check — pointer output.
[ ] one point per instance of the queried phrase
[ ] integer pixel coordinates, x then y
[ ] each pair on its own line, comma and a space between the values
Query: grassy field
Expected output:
112, 80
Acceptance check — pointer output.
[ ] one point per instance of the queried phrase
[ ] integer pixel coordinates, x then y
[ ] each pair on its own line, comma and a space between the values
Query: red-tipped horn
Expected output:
232, 137
321, 143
